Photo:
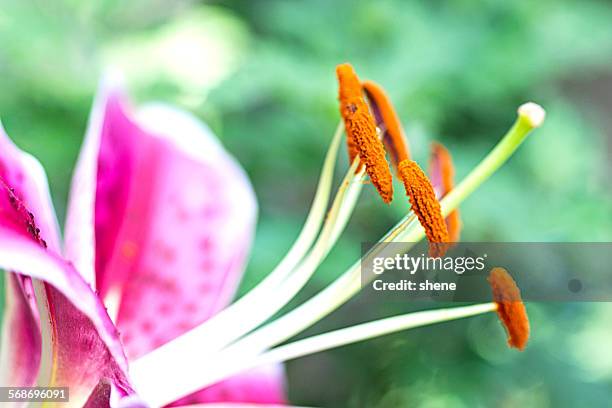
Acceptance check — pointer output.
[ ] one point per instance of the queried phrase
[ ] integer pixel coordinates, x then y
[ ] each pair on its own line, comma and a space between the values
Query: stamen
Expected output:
510, 307
442, 173
180, 372
406, 231
387, 119
345, 336
507, 304
361, 131
349, 95
425, 206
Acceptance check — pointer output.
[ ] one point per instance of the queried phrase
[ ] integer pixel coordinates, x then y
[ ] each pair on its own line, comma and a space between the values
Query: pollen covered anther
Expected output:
361, 133
442, 173
510, 307
394, 138
425, 205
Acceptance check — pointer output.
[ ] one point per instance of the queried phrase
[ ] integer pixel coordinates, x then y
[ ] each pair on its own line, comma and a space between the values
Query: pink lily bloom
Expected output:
158, 230
133, 309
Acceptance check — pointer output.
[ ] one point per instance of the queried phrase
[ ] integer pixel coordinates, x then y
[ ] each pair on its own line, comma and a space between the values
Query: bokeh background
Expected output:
261, 74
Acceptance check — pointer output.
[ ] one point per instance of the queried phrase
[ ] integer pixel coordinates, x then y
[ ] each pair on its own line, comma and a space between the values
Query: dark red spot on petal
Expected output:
126, 337
158, 342
191, 307
182, 214
206, 244
213, 211
147, 326
207, 265
165, 308
184, 326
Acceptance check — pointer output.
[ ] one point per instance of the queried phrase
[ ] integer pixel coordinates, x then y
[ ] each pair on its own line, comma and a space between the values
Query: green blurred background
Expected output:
261, 74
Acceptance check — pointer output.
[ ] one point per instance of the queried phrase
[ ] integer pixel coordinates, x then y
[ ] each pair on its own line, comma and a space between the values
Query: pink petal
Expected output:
83, 342
261, 385
174, 221
79, 232
227, 223
109, 394
236, 405
24, 174
21, 332
83, 355
174, 217
20, 349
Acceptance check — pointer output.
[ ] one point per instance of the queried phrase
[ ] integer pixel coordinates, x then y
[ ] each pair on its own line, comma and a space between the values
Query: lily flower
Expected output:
159, 226
133, 310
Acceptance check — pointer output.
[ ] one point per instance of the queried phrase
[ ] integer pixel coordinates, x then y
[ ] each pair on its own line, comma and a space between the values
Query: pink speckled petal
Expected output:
174, 217
20, 329
260, 385
82, 342
24, 174
84, 354
109, 394
20, 348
